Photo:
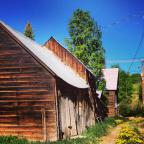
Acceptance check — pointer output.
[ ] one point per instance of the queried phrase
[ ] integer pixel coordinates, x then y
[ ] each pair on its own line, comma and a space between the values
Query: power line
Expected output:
137, 50
125, 19
141, 13
125, 60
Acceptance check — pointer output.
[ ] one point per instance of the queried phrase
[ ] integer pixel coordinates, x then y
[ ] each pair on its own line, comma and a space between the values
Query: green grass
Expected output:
12, 140
100, 129
135, 95
91, 135
15, 140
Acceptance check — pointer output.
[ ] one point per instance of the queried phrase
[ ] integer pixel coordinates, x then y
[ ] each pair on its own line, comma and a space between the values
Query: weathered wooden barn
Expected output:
45, 92
111, 77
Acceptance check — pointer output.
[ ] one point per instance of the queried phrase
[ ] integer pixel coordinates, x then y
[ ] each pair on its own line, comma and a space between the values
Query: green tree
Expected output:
136, 78
125, 86
28, 31
85, 43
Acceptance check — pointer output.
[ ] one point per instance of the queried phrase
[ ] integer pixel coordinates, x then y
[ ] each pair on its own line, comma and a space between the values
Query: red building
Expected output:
111, 77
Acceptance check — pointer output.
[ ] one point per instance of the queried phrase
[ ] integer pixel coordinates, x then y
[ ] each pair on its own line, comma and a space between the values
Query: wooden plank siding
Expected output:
76, 111
27, 93
78, 108
66, 57
112, 111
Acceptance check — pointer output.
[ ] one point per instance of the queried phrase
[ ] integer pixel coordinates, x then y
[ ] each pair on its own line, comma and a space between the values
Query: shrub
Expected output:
138, 110
119, 121
129, 135
137, 120
124, 109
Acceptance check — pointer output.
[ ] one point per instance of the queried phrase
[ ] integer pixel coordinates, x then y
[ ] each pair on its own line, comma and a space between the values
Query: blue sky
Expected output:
51, 17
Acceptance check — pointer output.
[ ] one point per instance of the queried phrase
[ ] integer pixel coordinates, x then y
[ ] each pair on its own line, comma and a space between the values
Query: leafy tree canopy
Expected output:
136, 78
85, 43
125, 86
28, 31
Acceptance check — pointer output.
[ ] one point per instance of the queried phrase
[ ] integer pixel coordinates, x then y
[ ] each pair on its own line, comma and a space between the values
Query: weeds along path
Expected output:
137, 122
112, 135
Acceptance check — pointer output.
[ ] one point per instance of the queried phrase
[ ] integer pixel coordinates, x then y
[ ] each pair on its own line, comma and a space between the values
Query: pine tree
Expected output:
28, 31
85, 43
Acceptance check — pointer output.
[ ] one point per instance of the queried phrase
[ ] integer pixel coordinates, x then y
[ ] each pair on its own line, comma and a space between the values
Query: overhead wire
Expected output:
124, 19
125, 60
134, 57
137, 50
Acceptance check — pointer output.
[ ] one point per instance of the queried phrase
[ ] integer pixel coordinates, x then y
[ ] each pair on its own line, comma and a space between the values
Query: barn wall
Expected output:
66, 57
76, 111
112, 98
83, 105
27, 93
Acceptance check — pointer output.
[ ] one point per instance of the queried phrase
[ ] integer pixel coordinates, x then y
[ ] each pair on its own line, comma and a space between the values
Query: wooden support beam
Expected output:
44, 124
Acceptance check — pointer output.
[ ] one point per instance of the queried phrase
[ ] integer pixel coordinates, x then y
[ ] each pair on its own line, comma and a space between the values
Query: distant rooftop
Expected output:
111, 77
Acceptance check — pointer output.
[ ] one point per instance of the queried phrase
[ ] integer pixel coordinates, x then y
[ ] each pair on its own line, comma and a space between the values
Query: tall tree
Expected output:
125, 85
29, 31
85, 43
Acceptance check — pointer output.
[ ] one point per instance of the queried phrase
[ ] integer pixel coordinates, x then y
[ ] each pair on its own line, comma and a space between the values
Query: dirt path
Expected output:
112, 136
114, 132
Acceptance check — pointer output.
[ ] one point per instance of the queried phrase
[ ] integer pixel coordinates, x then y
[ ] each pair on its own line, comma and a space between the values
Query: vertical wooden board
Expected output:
52, 48
66, 57
49, 45
72, 125
83, 114
111, 103
67, 118
63, 117
78, 118
59, 51
62, 56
